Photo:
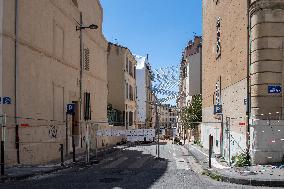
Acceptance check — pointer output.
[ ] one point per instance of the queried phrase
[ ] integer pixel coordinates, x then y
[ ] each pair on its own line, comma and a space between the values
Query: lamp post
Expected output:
80, 28
157, 124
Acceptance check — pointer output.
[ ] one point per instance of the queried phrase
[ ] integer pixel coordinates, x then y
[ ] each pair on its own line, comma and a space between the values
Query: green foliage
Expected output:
241, 160
198, 142
176, 140
213, 175
192, 113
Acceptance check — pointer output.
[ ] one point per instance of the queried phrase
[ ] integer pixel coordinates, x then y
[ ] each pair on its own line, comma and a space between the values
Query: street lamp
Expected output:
92, 27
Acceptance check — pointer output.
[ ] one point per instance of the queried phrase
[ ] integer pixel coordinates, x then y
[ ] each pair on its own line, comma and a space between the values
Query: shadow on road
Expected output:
130, 168
140, 170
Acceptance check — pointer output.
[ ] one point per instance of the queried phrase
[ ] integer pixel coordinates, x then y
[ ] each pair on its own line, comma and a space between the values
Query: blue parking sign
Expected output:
70, 108
218, 109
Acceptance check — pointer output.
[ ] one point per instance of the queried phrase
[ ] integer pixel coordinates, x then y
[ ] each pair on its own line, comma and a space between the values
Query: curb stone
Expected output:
5, 178
242, 181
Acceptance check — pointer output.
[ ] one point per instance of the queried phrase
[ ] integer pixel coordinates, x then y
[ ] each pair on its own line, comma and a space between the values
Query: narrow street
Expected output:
130, 167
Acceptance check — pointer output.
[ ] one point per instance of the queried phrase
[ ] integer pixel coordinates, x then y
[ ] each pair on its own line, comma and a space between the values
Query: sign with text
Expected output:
274, 89
218, 109
5, 100
70, 108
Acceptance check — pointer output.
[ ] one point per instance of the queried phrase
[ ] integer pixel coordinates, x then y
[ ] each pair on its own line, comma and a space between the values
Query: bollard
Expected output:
17, 141
210, 149
2, 158
73, 146
61, 154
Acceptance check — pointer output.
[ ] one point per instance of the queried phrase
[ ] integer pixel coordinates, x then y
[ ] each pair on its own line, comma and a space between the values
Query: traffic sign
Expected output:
274, 89
6, 100
70, 108
218, 109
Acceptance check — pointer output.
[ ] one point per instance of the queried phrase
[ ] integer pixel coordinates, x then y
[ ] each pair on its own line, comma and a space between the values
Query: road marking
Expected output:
115, 163
138, 163
181, 164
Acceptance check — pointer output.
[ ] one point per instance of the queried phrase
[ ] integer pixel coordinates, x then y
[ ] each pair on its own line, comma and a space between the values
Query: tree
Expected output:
192, 113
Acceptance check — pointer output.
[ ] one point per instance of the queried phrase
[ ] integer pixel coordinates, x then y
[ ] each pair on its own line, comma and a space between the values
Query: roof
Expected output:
141, 61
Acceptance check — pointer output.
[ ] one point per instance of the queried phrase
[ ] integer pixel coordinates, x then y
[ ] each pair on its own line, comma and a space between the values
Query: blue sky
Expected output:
160, 28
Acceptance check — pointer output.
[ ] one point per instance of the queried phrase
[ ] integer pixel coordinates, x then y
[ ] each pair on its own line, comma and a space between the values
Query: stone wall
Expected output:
267, 28
267, 141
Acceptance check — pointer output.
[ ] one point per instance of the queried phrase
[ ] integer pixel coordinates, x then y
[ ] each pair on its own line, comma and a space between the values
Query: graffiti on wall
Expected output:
52, 131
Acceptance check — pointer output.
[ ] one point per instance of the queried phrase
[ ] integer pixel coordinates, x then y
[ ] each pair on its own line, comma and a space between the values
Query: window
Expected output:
87, 59
218, 43
130, 68
58, 40
126, 119
217, 93
131, 96
126, 64
126, 87
87, 106
130, 118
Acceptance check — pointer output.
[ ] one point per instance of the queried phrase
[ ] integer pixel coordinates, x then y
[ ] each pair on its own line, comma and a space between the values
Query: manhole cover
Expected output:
110, 180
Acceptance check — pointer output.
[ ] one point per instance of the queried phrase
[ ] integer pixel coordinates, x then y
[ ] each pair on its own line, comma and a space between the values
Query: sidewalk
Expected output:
260, 175
21, 172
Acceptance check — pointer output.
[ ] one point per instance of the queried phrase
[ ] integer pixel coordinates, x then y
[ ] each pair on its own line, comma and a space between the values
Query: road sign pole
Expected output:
3, 145
66, 135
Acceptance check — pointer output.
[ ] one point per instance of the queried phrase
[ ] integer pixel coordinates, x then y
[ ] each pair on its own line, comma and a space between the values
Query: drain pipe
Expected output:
16, 73
248, 105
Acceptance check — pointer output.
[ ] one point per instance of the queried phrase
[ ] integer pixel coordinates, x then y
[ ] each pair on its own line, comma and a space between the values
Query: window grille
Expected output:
218, 43
87, 59
217, 93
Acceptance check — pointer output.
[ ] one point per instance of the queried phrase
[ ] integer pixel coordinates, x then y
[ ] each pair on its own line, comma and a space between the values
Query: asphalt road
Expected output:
131, 167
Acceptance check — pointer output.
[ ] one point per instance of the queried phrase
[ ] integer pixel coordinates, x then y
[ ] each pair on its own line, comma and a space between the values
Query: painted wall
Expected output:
48, 73
267, 141
141, 96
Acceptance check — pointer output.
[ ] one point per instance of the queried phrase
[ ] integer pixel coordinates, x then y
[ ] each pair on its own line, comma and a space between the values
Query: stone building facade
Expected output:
121, 75
193, 67
40, 75
144, 93
190, 75
266, 80
242, 58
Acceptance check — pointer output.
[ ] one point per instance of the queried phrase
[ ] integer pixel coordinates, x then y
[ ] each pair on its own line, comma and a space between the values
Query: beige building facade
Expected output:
122, 93
40, 75
242, 59
224, 73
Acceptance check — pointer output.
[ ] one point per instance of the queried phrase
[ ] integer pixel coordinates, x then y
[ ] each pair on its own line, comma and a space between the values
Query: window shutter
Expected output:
87, 59
87, 106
